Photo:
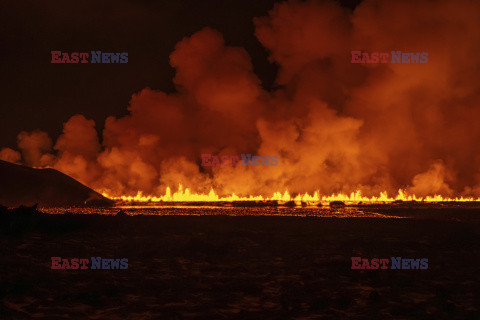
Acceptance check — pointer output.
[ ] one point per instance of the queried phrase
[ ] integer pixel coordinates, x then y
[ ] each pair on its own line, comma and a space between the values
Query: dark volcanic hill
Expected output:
47, 187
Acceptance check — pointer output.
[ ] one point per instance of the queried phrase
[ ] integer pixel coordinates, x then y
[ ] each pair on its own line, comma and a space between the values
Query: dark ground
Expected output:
223, 267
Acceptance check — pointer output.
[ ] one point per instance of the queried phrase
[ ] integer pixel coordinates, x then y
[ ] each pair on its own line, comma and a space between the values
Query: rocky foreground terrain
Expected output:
239, 267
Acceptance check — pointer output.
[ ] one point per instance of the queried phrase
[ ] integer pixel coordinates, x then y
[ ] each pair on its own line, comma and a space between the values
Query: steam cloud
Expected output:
336, 126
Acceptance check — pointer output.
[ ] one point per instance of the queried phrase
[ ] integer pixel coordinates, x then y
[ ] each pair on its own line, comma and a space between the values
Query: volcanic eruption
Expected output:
336, 126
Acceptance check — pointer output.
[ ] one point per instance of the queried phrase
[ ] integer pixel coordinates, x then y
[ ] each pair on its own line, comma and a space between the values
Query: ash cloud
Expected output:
336, 126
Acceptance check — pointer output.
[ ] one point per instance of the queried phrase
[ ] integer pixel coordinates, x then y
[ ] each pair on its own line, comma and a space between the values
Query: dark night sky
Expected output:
39, 95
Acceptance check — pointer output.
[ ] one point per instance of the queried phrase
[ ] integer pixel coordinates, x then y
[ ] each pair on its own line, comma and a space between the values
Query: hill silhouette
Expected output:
21, 185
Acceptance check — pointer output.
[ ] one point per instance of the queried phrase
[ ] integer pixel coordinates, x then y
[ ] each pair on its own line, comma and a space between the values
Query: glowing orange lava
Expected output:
354, 197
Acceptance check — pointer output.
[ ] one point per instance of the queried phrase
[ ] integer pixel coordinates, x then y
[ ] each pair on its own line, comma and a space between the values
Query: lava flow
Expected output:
354, 197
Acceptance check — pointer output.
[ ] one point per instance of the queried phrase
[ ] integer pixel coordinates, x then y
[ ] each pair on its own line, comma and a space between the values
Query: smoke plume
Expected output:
336, 126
